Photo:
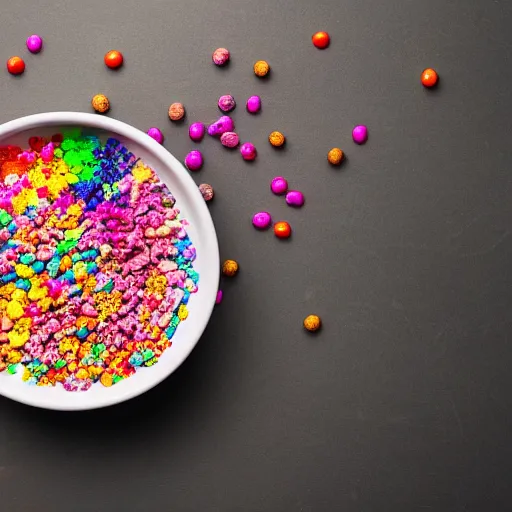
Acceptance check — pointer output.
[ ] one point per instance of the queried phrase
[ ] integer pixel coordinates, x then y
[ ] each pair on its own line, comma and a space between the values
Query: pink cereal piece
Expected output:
229, 139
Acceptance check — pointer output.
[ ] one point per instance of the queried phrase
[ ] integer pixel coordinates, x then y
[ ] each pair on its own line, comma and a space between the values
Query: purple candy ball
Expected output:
156, 134
34, 43
261, 220
196, 131
194, 160
253, 104
229, 139
222, 125
279, 185
218, 299
220, 56
360, 134
295, 198
227, 103
248, 151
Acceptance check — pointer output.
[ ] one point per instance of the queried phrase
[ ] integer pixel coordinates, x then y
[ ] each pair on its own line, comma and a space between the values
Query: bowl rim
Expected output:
208, 237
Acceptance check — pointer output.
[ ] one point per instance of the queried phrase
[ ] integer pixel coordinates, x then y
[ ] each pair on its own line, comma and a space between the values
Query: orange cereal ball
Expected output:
230, 268
113, 59
261, 68
429, 77
312, 323
335, 156
277, 139
176, 112
100, 103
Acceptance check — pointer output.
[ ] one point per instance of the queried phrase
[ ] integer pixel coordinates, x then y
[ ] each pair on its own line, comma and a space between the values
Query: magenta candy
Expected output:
34, 43
194, 160
253, 104
229, 139
218, 299
248, 151
295, 198
261, 220
279, 185
156, 134
227, 103
222, 125
196, 131
360, 134
220, 56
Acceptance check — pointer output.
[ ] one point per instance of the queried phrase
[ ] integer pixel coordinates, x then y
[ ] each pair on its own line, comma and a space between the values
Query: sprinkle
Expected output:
113, 59
34, 43
194, 160
360, 134
226, 103
277, 139
230, 268
220, 56
156, 134
282, 229
219, 297
261, 220
206, 191
196, 131
15, 65
253, 104
248, 151
176, 112
100, 103
261, 68
279, 185
312, 323
335, 156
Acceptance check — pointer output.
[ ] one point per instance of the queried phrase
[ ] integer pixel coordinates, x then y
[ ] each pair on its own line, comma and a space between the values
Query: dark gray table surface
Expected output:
403, 401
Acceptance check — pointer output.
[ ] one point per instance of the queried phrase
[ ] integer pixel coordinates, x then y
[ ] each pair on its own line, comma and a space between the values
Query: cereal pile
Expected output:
95, 262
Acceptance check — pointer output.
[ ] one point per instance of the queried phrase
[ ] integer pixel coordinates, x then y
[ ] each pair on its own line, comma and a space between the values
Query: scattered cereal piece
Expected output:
229, 139
15, 65
253, 104
321, 40
196, 131
261, 68
261, 220
279, 185
156, 134
222, 125
100, 103
282, 229
312, 323
220, 56
34, 43
429, 77
219, 297
113, 59
230, 268
335, 156
248, 151
206, 191
295, 198
194, 160
360, 134
277, 139
226, 103
176, 112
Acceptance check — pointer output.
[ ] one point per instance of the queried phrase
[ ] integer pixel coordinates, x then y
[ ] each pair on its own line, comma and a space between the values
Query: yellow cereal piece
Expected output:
312, 323
106, 379
24, 271
37, 292
43, 381
141, 173
19, 295
82, 374
14, 356
182, 312
72, 366
14, 310
7, 290
26, 375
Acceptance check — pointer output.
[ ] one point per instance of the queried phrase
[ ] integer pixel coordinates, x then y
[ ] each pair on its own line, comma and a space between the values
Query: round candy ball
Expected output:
34, 43
220, 56
206, 191
282, 229
196, 131
312, 323
261, 68
261, 220
16, 65
100, 103
276, 139
229, 139
429, 77
248, 151
321, 40
253, 104
156, 134
194, 160
295, 198
176, 112
219, 297
230, 268
227, 103
113, 59
335, 156
279, 185
360, 134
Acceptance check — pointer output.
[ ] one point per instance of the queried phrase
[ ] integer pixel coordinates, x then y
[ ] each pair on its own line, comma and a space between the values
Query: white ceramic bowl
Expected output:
201, 232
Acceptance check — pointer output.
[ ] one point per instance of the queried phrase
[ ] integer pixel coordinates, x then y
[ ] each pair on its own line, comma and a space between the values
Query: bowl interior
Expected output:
201, 232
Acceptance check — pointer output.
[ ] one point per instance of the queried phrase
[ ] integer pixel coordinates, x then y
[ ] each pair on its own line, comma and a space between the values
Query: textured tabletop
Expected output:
402, 402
